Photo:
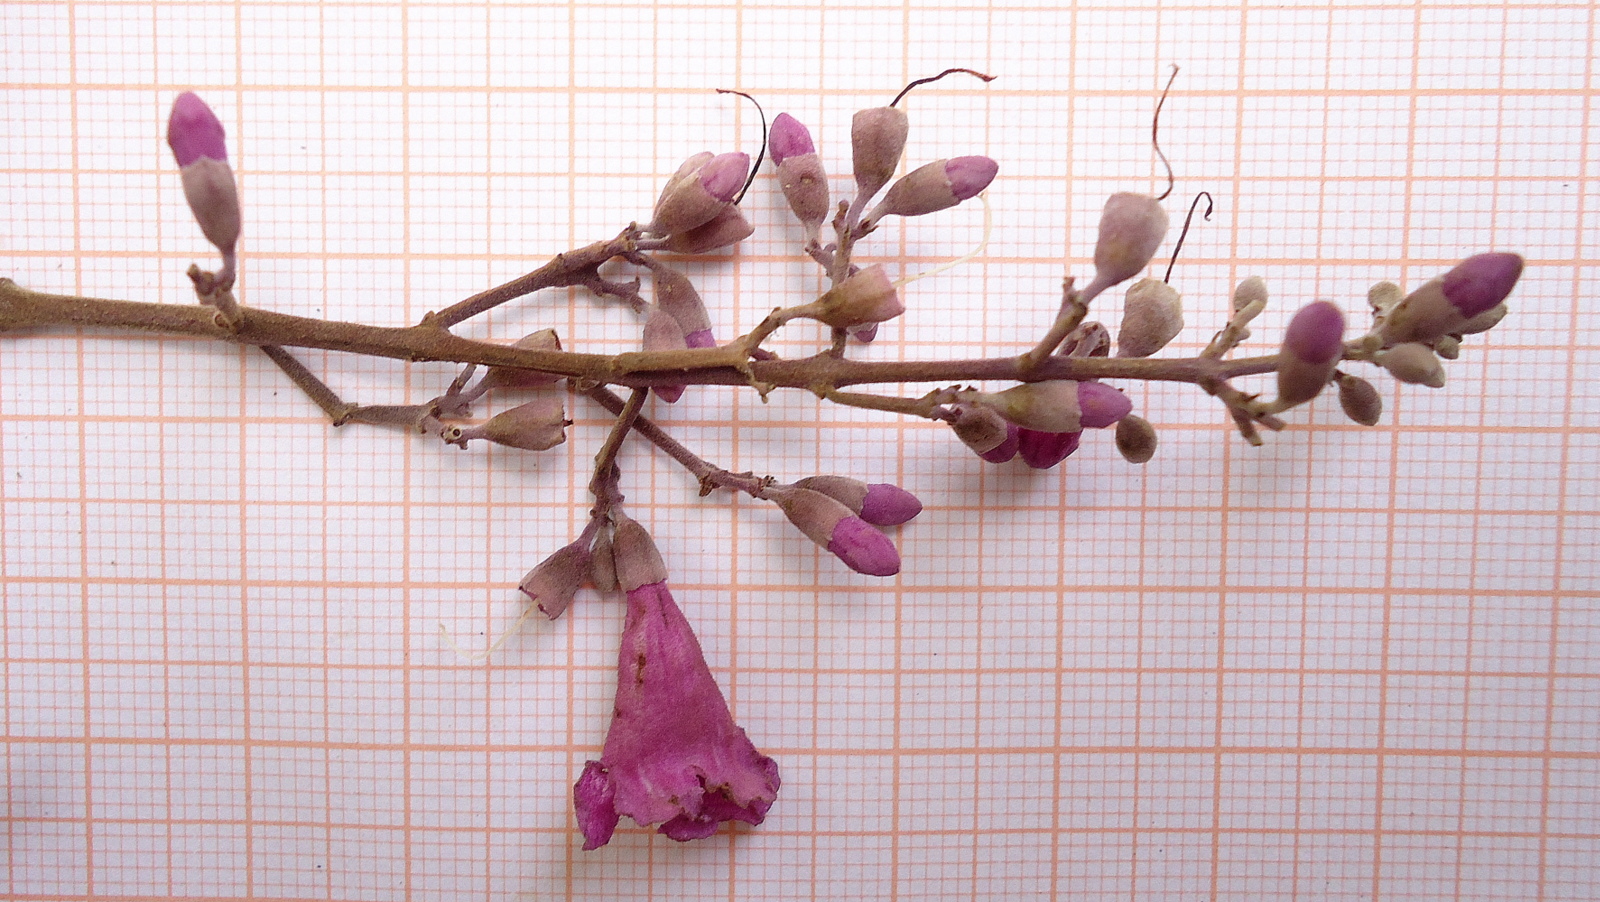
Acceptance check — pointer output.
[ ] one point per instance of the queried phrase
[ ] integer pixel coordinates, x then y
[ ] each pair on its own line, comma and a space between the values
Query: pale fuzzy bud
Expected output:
1043, 450
878, 503
1312, 347
1413, 363
981, 429
1252, 291
877, 139
805, 187
831, 525
638, 562
511, 377
1448, 347
1131, 228
695, 198
1383, 296
725, 229
534, 426
1360, 401
937, 186
868, 296
788, 138
1484, 321
1136, 439
1059, 405
197, 140
552, 584
662, 332
677, 295
603, 563
1152, 315
1447, 304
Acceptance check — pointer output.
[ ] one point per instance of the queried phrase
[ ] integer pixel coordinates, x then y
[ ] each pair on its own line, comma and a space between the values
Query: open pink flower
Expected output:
673, 756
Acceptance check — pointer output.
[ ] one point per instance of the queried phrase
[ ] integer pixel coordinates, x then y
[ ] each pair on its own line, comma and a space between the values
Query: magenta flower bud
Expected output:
662, 332
193, 131
879, 503
1450, 304
695, 198
634, 555
1480, 282
552, 584
1059, 405
1043, 450
1131, 228
877, 139
831, 525
865, 297
788, 138
1312, 348
673, 755
534, 426
726, 228
511, 377
196, 137
937, 186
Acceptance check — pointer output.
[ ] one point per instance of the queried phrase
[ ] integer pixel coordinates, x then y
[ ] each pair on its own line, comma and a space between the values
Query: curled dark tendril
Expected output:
922, 81
763, 152
1155, 123
1211, 206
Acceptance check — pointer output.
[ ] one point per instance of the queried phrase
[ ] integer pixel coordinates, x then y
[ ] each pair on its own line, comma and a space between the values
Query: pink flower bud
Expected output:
511, 377
534, 426
637, 561
831, 525
1446, 305
1312, 348
677, 295
552, 584
788, 138
937, 186
726, 228
694, 198
1043, 450
664, 333
1059, 405
196, 137
1131, 228
865, 297
877, 138
879, 503
1152, 315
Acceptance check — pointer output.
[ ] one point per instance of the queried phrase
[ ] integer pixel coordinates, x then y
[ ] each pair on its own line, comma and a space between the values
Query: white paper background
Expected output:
1355, 663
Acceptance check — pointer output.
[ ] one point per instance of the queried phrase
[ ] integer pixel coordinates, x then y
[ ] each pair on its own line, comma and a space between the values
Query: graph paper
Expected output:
1354, 663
